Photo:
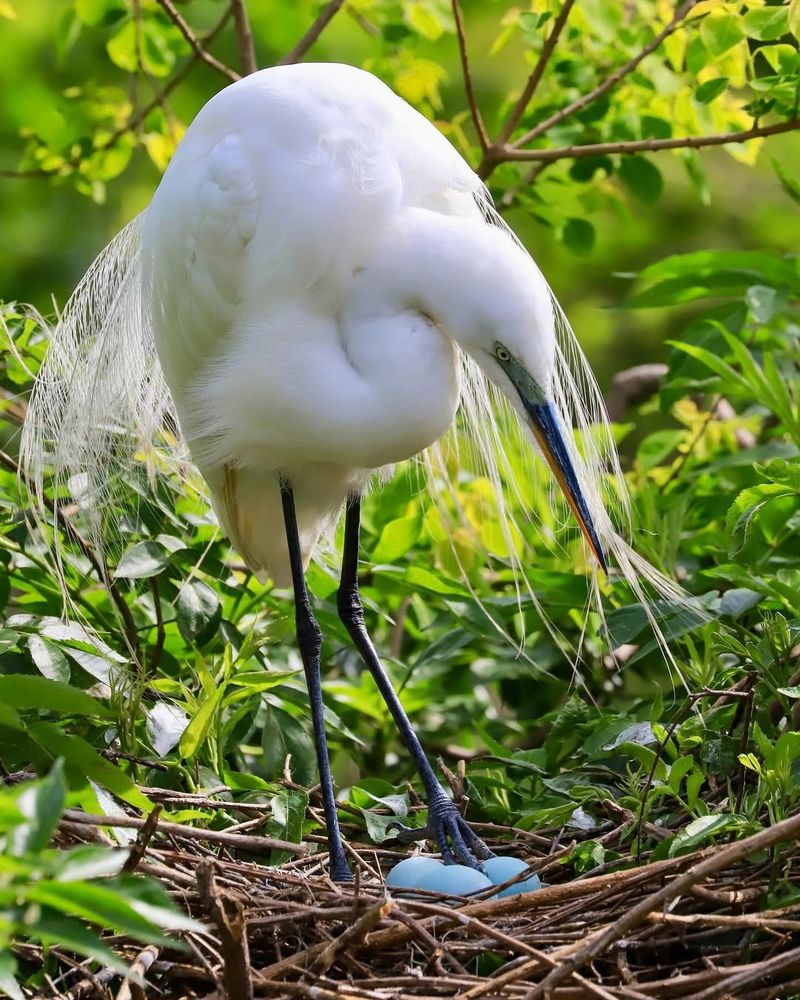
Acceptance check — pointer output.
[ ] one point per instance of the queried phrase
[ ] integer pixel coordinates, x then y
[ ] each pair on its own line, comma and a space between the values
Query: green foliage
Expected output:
62, 899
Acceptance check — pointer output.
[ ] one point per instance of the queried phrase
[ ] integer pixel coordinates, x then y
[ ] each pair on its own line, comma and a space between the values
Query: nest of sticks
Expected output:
703, 925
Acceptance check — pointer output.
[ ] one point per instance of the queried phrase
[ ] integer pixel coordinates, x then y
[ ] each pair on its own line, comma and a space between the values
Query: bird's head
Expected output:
505, 320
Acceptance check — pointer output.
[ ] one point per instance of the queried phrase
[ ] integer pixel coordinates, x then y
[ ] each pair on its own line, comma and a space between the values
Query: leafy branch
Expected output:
324, 18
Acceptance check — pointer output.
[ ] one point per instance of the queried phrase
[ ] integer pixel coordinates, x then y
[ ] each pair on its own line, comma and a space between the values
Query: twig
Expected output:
536, 75
196, 45
477, 120
325, 16
610, 81
244, 38
752, 974
132, 988
785, 830
236, 841
512, 154
354, 935
142, 841
228, 915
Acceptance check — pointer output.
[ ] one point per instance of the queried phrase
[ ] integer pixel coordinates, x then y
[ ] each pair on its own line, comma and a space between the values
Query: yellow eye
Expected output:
501, 353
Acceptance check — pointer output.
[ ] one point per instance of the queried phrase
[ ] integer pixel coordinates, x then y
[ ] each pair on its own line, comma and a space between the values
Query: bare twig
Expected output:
132, 988
645, 145
477, 120
142, 841
536, 75
244, 38
228, 915
196, 45
324, 18
611, 81
236, 841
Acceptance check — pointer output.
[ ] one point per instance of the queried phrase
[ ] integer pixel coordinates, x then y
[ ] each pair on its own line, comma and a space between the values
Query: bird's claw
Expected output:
458, 842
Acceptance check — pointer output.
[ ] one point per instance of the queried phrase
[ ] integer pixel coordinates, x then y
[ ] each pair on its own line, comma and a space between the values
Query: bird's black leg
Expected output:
309, 639
455, 838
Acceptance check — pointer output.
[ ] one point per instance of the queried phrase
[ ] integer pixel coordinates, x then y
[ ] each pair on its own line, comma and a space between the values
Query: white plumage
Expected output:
313, 250
319, 282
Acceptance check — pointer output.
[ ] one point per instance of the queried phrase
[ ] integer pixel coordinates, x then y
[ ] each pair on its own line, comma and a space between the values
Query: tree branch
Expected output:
536, 76
509, 153
185, 29
477, 120
244, 38
326, 15
610, 81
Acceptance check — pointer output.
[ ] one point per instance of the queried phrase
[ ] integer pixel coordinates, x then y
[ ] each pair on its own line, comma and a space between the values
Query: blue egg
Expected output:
500, 870
454, 880
410, 872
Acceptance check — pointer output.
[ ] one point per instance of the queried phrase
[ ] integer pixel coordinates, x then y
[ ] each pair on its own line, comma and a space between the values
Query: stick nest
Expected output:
717, 923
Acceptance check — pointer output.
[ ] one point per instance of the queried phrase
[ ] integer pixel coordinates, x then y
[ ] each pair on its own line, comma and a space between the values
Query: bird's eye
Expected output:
501, 353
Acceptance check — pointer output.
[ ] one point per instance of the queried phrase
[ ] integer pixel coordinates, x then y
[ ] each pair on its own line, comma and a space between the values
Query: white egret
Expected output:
318, 283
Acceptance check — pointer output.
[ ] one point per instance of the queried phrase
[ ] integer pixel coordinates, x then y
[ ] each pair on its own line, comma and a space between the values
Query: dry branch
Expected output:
244, 38
466, 72
236, 841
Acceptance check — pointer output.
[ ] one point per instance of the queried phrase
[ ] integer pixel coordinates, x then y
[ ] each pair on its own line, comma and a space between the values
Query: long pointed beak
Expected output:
546, 426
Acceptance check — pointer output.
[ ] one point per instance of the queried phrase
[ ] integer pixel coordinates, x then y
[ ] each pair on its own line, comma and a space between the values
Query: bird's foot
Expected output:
458, 842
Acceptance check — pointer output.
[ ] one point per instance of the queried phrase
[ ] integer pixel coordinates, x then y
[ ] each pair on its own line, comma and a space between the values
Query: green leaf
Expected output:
721, 31
747, 505
288, 815
41, 803
284, 735
198, 612
579, 236
396, 539
424, 21
707, 91
8, 964
100, 904
194, 736
53, 928
789, 182
701, 830
766, 23
26, 691
143, 560
48, 658
642, 177
86, 763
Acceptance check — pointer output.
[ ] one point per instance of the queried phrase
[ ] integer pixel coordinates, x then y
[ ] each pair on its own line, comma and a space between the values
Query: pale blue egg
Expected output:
410, 872
500, 870
454, 880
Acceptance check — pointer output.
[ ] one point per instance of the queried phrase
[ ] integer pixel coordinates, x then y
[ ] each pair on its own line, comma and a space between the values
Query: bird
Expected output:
318, 286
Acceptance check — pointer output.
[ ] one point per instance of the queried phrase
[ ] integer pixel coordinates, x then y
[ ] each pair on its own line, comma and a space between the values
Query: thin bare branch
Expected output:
244, 38
610, 81
197, 47
536, 75
326, 15
477, 120
509, 153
